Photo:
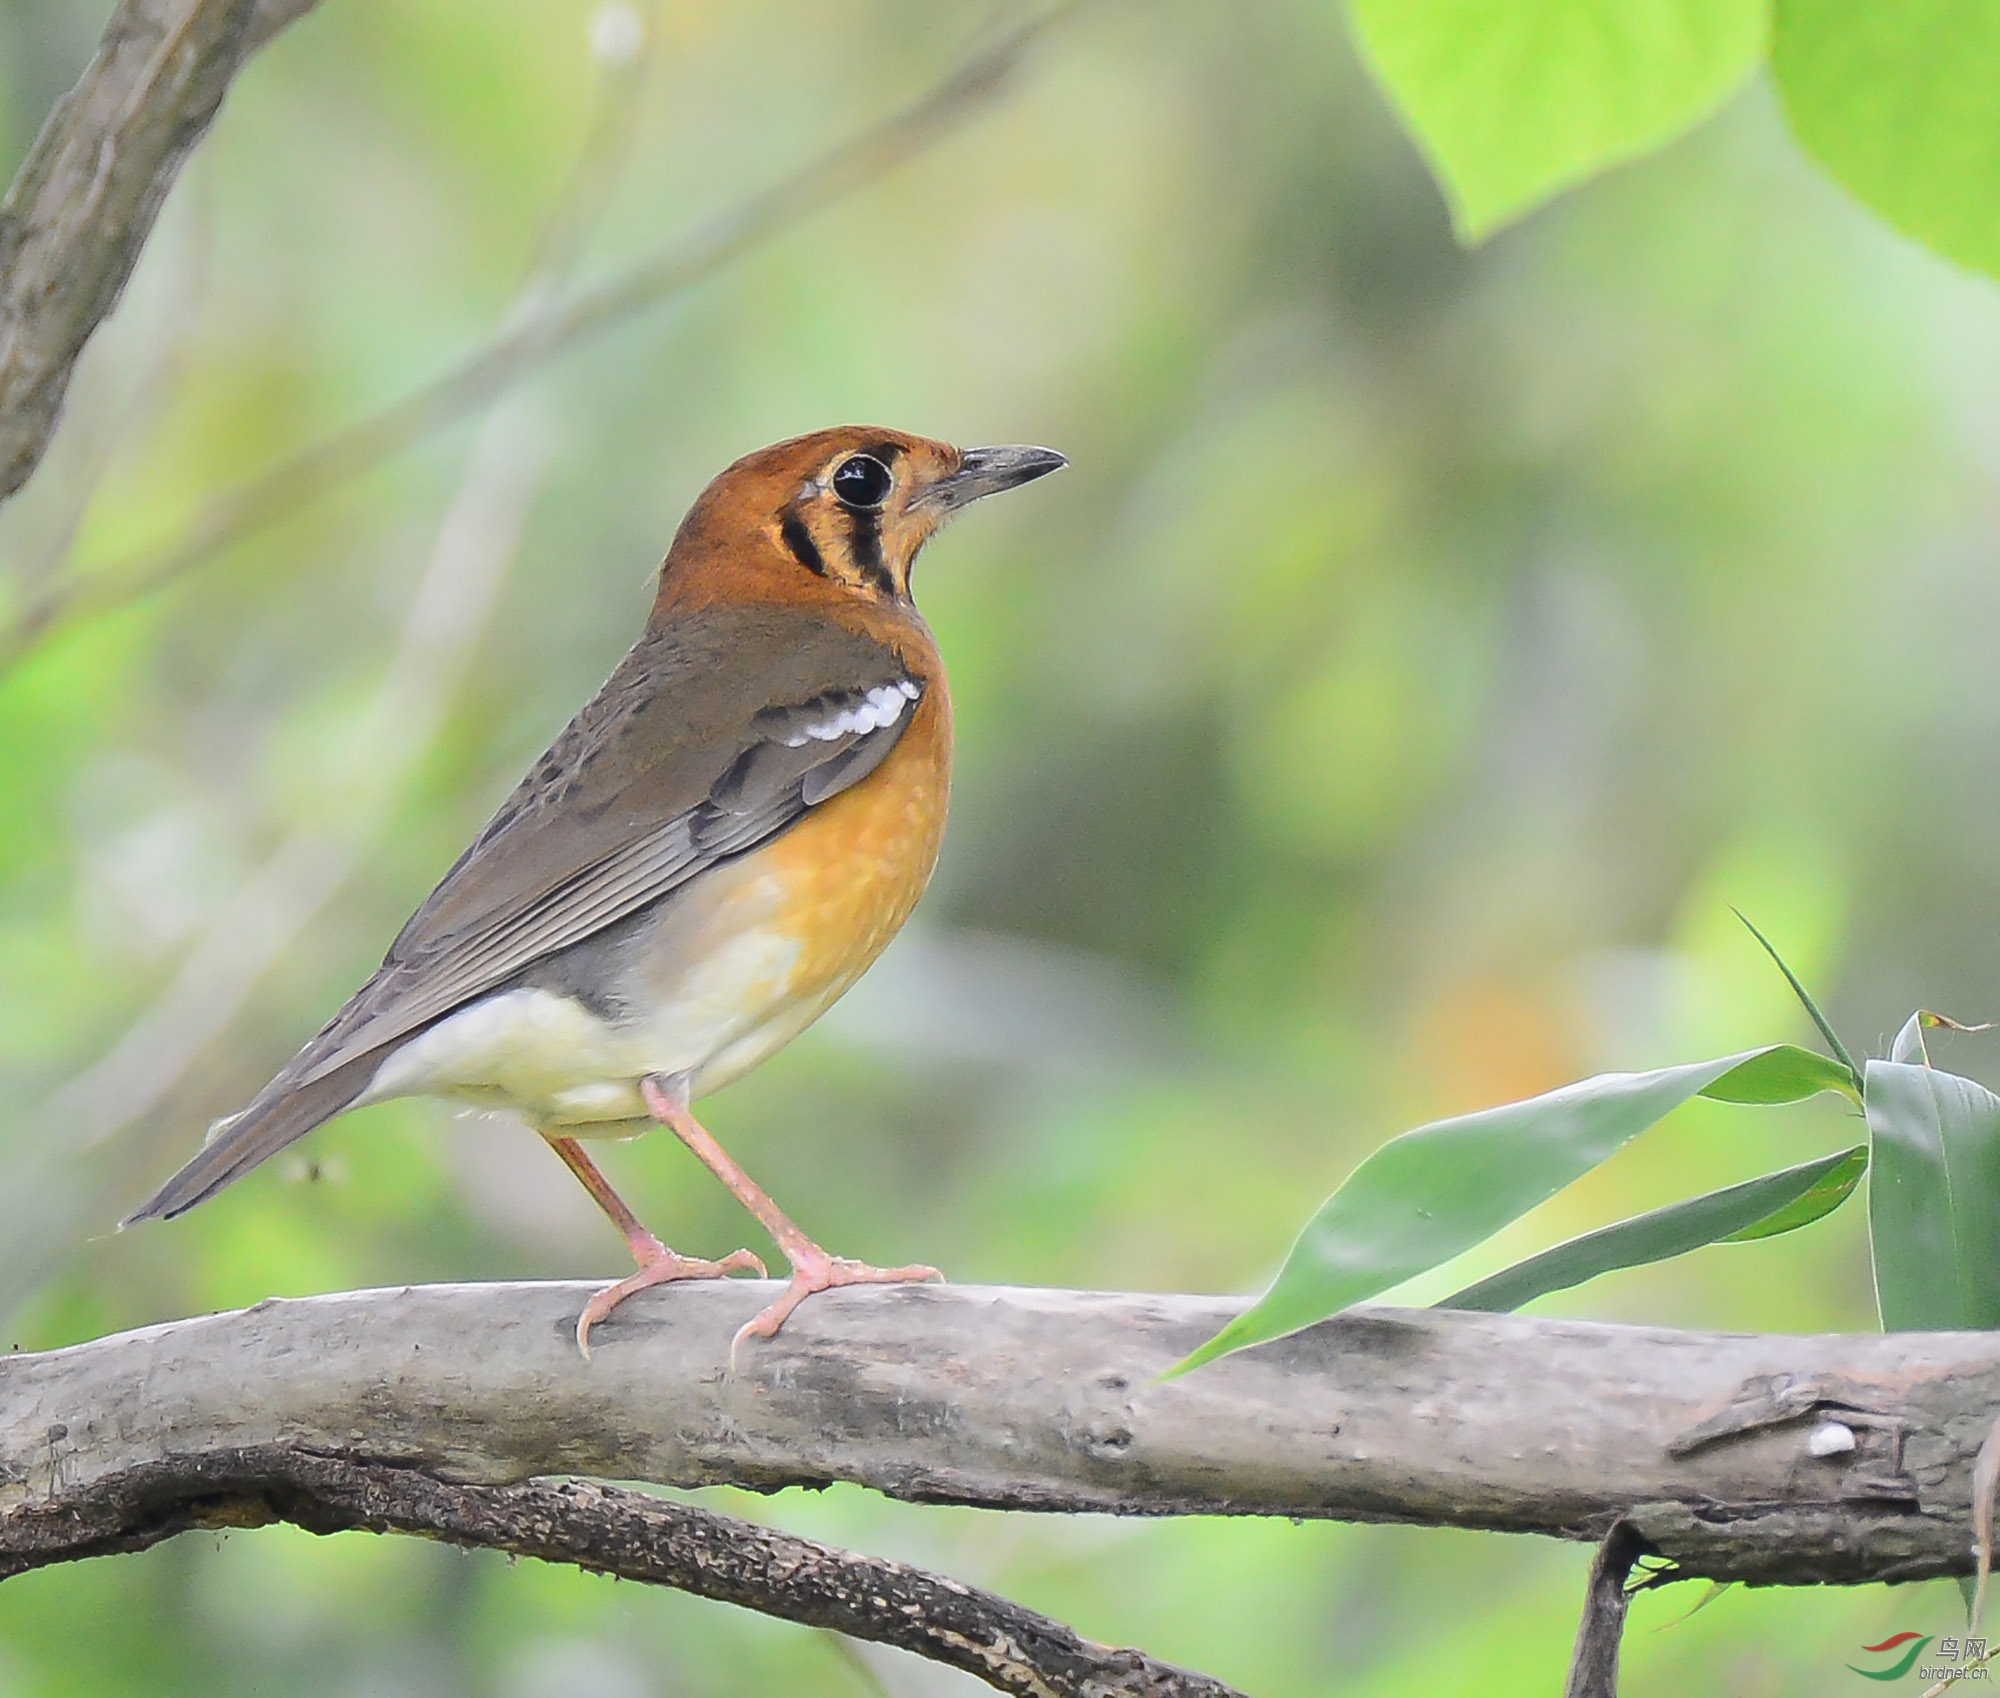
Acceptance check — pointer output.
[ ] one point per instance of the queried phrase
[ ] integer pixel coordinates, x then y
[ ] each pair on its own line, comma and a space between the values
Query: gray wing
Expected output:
793, 757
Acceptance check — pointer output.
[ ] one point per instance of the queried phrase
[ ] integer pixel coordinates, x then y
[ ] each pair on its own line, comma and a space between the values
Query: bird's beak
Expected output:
987, 471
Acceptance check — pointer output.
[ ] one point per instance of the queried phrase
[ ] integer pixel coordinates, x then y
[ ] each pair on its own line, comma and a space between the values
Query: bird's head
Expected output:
842, 511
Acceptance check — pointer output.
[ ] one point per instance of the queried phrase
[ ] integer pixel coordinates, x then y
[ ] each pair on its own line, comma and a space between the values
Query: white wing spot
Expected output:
876, 711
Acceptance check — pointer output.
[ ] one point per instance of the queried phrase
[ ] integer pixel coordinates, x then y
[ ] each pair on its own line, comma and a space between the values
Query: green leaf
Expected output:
1897, 99
1816, 1202
1909, 1046
1934, 1198
1784, 1073
1853, 1088
1427, 1195
1715, 1590
1513, 100
1757, 1208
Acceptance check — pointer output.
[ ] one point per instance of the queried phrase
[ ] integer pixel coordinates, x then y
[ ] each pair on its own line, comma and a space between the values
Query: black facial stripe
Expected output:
887, 452
864, 541
792, 529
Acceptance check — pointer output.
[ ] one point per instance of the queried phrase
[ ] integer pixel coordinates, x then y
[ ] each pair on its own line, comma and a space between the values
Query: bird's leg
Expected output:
812, 1268
657, 1264
644, 1246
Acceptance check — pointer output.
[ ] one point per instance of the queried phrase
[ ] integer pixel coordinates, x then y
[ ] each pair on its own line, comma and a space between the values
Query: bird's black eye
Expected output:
861, 480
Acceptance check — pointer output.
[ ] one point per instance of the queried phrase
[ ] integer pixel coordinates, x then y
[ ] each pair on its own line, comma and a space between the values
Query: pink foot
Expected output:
814, 1270
658, 1268
666, 1099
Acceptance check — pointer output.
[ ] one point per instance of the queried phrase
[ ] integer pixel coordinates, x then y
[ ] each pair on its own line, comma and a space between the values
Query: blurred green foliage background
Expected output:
1376, 722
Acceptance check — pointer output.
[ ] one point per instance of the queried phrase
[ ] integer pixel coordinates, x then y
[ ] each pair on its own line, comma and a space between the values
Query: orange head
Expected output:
840, 513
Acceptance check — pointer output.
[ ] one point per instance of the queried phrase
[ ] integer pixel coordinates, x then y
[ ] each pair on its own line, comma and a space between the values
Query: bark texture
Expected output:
1767, 1459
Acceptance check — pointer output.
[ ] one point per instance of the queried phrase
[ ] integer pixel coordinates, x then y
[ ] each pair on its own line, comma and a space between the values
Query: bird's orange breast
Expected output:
852, 869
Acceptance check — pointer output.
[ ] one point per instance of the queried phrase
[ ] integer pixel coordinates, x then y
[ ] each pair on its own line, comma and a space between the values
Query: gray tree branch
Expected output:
83, 203
1769, 1459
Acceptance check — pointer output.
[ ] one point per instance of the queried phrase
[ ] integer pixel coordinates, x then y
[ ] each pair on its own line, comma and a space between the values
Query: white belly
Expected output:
548, 1058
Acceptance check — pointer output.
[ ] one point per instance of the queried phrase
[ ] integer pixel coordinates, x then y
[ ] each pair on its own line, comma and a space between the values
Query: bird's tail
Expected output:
279, 1114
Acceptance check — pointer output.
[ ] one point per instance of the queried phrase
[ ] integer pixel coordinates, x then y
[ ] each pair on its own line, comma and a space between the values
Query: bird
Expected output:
711, 852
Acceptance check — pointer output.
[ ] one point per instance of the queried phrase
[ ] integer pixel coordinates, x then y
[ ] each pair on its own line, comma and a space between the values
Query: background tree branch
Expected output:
470, 563
1728, 1454
606, 1530
1593, 1665
83, 203
534, 332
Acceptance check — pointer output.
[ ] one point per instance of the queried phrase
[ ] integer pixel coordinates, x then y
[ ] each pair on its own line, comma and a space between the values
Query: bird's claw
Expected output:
814, 1270
661, 1269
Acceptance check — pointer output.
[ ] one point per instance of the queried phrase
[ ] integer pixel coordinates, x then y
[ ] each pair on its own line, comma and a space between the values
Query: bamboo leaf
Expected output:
1814, 1203
1934, 1198
1799, 990
1757, 1208
1784, 1073
1427, 1195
